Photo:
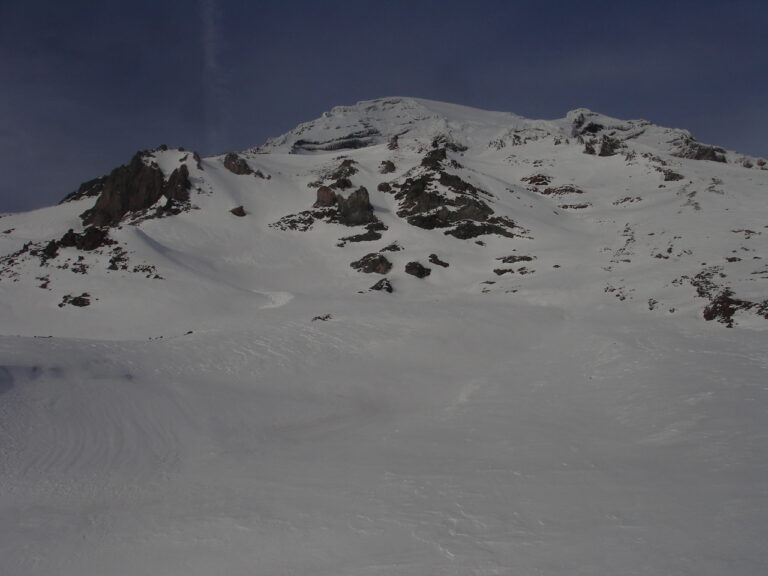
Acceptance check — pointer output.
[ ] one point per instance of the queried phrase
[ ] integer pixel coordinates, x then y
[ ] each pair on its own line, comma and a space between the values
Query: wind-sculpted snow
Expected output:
385, 440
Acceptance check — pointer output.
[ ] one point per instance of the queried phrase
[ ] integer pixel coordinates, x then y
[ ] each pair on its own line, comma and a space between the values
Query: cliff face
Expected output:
136, 187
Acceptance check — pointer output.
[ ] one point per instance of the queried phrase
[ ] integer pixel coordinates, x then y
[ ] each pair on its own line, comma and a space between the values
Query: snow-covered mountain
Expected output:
572, 212
407, 337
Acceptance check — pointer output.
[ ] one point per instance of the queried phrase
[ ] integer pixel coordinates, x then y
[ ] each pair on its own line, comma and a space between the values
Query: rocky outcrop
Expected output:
383, 285
51, 249
237, 165
178, 185
670, 175
135, 187
372, 233
386, 167
434, 159
373, 263
90, 239
356, 209
80, 301
417, 269
434, 259
344, 170
424, 203
515, 258
86, 190
239, 211
688, 148
463, 214
537, 180
724, 306
325, 197
609, 146
351, 141
561, 190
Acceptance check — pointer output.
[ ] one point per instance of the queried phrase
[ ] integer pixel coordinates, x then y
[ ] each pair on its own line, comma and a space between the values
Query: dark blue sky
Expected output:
84, 84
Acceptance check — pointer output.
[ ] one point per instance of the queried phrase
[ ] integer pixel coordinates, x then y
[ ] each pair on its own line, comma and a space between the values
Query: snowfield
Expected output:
234, 399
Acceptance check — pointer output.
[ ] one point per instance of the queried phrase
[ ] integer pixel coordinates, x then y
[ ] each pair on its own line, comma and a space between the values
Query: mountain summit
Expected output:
422, 199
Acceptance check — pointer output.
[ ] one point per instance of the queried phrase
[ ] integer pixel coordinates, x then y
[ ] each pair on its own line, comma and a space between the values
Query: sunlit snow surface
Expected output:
206, 424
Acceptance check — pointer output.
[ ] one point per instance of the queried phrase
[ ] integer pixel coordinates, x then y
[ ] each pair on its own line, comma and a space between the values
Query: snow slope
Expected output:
235, 399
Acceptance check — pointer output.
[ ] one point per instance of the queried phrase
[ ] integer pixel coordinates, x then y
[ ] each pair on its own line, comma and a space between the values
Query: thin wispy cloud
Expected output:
214, 83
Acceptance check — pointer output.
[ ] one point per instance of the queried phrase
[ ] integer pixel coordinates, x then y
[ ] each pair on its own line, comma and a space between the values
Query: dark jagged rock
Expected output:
384, 187
581, 126
356, 209
51, 250
417, 269
86, 190
393, 143
303, 221
135, 187
372, 233
609, 146
592, 128
178, 185
239, 211
198, 160
538, 180
497, 225
723, 307
446, 141
437, 219
118, 260
129, 188
373, 263
387, 167
689, 148
425, 207
80, 301
325, 197
383, 285
434, 159
368, 236
394, 247
237, 165
69, 239
415, 197
671, 176
342, 184
456, 184
515, 258
469, 209
352, 141
331, 206
90, 239
344, 170
434, 259
561, 190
